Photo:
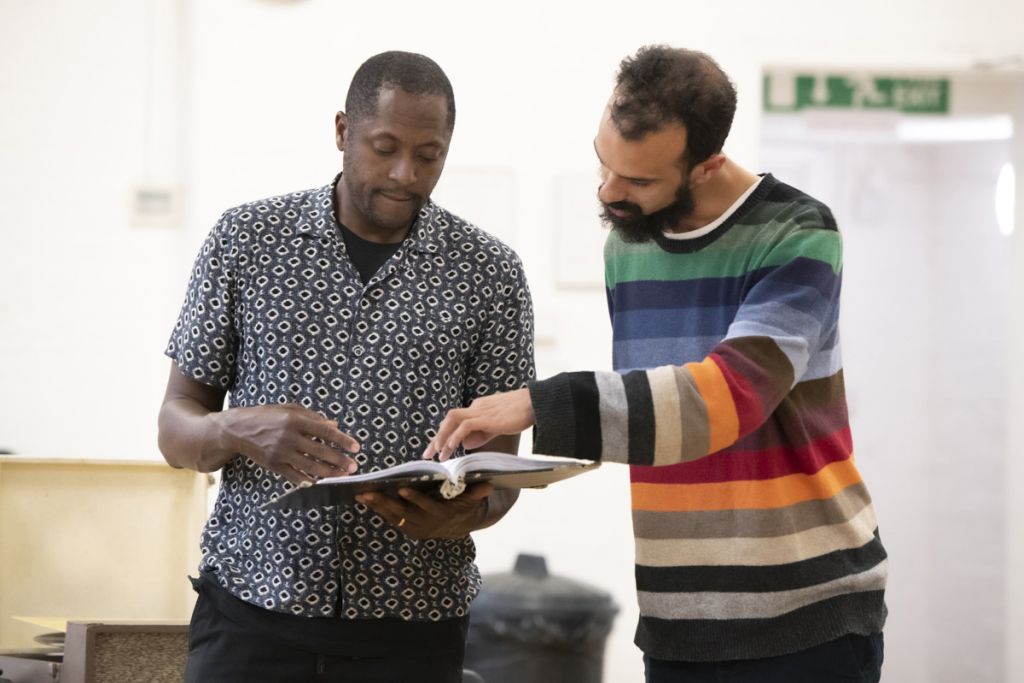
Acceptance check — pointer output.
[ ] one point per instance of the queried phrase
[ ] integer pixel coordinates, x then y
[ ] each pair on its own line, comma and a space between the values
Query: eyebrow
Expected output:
388, 136
624, 177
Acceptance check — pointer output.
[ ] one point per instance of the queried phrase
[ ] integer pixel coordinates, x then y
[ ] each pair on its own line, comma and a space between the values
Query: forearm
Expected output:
665, 415
662, 416
193, 437
497, 505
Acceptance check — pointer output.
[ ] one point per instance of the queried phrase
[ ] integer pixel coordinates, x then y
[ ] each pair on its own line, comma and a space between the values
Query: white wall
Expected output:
233, 100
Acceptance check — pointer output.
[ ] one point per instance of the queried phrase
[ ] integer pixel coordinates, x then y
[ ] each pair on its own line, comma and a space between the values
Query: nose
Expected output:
403, 171
611, 190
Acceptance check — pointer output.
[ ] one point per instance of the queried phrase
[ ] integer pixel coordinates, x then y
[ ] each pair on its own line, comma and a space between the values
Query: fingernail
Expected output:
352, 467
305, 484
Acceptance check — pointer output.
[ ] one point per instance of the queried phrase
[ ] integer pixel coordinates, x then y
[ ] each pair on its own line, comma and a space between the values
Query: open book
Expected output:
448, 478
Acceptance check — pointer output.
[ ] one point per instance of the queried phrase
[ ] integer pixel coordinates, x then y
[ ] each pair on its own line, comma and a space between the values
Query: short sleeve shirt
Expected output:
276, 313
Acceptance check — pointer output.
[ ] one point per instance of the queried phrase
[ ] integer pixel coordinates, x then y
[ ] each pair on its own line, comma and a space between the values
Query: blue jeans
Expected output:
850, 659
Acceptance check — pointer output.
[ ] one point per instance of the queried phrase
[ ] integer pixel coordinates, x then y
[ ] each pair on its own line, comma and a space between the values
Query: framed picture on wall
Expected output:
579, 234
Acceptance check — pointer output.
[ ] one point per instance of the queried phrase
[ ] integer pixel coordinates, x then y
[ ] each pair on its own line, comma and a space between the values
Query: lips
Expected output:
620, 212
397, 196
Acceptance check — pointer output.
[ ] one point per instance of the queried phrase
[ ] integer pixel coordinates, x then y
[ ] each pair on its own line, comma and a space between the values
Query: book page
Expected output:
415, 468
495, 461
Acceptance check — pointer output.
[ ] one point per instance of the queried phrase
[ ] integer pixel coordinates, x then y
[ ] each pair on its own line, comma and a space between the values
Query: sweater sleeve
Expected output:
785, 331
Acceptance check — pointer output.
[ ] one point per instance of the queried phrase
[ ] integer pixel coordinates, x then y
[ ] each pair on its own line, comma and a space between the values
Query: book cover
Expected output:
447, 479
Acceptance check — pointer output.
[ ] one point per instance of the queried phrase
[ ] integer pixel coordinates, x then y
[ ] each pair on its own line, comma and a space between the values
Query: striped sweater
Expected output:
755, 535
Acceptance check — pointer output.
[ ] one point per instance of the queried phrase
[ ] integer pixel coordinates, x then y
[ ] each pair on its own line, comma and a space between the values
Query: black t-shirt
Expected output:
367, 256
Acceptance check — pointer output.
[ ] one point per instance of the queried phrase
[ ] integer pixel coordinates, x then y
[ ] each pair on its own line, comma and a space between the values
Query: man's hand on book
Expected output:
290, 440
509, 412
420, 515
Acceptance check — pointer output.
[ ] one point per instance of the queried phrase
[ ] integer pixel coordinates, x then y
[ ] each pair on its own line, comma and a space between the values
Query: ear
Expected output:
340, 128
706, 169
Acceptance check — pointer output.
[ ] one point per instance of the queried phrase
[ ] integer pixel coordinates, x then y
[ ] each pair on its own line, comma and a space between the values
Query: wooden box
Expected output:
96, 541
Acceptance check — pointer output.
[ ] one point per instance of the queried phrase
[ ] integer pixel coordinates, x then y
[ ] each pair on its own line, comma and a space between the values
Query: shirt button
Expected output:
358, 350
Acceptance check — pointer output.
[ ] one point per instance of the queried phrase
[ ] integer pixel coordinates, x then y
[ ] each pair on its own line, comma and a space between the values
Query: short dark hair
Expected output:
414, 73
660, 85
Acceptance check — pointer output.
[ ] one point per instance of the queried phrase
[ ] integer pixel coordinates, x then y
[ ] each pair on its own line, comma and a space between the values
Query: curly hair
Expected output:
414, 73
660, 85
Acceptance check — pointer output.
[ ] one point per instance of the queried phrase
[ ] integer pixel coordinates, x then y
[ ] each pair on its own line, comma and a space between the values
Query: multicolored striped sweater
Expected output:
755, 535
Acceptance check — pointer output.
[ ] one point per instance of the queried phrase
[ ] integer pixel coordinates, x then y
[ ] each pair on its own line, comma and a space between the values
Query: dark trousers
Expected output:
850, 659
225, 649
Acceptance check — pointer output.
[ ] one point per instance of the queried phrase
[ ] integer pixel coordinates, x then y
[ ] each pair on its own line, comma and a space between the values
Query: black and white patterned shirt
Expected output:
276, 313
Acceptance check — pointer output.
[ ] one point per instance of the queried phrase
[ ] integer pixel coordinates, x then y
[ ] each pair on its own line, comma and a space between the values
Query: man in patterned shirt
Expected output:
758, 557
342, 322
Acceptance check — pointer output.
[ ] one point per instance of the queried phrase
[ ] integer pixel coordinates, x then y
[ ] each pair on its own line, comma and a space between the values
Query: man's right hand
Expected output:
297, 443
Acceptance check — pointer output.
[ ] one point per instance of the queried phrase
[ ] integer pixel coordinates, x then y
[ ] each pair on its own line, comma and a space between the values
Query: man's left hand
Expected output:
419, 515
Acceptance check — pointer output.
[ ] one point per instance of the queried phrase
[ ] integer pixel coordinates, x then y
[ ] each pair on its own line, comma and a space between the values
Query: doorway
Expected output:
925, 207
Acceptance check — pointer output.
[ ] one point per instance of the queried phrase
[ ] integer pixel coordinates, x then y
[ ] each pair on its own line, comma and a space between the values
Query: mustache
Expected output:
628, 207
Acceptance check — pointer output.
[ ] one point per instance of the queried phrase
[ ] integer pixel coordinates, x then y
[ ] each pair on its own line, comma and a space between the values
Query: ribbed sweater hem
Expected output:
708, 640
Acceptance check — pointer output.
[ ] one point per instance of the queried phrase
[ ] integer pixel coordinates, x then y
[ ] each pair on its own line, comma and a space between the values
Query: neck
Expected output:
715, 195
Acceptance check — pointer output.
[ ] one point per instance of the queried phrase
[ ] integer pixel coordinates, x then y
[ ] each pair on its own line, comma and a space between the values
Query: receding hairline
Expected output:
366, 116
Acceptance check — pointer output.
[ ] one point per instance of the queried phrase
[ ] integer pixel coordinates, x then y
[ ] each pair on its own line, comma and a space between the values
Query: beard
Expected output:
388, 218
374, 206
637, 228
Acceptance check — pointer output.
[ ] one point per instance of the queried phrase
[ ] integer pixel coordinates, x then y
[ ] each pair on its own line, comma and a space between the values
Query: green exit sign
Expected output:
793, 92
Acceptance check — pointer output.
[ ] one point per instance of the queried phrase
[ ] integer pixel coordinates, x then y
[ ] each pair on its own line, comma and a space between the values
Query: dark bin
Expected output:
529, 626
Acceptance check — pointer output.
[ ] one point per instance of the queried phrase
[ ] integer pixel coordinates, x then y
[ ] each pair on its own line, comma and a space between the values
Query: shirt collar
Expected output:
318, 218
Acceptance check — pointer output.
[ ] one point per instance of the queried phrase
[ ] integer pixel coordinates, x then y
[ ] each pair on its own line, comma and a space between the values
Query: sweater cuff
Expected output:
554, 428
